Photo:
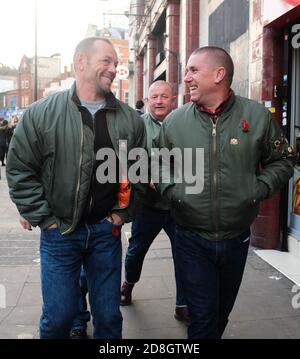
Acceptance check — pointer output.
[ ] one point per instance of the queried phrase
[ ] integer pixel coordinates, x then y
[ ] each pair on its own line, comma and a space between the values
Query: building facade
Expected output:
8, 82
23, 94
263, 38
8, 78
63, 82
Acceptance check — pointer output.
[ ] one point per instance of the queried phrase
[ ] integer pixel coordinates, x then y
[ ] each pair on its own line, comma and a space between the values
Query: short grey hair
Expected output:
220, 56
85, 45
161, 82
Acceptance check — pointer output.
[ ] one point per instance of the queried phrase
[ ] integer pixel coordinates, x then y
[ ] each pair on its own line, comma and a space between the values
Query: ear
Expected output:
173, 101
220, 74
79, 61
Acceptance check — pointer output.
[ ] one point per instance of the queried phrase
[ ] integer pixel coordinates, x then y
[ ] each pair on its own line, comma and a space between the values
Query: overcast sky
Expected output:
61, 25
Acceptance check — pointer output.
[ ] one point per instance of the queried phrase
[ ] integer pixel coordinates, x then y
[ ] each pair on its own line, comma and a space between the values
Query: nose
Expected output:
112, 68
187, 77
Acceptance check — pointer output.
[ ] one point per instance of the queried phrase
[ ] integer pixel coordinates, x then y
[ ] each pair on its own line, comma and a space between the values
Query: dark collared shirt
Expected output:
214, 114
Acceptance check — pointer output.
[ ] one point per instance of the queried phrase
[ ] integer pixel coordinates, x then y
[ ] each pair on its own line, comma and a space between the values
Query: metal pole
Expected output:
35, 54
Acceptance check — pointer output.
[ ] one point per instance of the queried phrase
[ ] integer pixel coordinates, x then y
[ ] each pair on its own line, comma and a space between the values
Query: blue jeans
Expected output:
146, 226
84, 316
100, 252
212, 273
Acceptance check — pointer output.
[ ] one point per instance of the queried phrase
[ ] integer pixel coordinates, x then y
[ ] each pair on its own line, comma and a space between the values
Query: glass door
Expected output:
294, 190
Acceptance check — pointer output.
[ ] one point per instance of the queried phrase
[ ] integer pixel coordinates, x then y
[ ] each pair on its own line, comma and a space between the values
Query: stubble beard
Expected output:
103, 90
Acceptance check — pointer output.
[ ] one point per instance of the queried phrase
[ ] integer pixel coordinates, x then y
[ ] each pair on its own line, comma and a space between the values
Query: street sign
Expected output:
122, 72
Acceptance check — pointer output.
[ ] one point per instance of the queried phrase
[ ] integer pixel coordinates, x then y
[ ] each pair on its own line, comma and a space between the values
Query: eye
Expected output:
105, 61
191, 70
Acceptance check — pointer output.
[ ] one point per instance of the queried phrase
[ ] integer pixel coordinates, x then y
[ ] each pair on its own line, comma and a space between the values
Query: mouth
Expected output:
109, 78
193, 88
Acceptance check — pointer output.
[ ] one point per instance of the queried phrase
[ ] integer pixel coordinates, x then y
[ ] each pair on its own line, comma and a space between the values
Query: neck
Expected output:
155, 118
87, 92
217, 100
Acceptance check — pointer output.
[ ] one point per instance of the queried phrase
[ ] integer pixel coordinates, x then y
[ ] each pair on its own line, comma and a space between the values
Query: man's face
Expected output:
100, 67
160, 101
200, 78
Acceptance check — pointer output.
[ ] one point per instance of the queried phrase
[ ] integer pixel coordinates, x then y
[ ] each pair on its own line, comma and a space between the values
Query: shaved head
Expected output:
85, 46
218, 57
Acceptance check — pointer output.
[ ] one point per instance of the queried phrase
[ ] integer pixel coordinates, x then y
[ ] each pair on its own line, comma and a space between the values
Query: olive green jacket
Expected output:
153, 198
51, 157
243, 138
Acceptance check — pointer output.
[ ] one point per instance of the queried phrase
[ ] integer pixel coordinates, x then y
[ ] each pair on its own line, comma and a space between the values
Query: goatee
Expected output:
102, 91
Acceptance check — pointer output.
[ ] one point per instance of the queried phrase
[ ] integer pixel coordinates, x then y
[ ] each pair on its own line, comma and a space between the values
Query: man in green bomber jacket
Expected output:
155, 213
53, 180
237, 135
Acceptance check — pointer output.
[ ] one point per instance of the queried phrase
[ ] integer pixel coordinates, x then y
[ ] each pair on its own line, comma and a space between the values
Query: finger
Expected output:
27, 225
23, 224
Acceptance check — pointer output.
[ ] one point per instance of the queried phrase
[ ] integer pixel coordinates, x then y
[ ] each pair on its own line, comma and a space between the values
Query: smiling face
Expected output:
160, 100
97, 68
201, 78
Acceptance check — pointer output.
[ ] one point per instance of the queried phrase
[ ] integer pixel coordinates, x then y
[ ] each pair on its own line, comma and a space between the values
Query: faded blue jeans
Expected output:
100, 252
84, 316
145, 227
212, 272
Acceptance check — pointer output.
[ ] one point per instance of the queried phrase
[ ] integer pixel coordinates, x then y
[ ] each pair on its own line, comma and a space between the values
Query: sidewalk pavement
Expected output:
263, 308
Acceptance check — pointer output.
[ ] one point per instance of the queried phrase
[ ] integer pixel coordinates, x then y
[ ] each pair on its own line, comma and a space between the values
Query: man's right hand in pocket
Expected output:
53, 226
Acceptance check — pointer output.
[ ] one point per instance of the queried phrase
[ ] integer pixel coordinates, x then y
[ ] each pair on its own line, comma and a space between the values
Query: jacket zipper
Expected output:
115, 143
93, 179
78, 182
215, 202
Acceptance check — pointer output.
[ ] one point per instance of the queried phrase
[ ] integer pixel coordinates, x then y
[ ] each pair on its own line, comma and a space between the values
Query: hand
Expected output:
114, 218
54, 225
25, 224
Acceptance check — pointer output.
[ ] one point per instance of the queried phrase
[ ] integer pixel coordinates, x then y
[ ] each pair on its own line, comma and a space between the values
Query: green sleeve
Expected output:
277, 158
163, 166
24, 166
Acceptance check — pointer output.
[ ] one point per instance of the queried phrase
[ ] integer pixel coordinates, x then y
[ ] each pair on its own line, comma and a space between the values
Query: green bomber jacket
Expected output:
242, 158
51, 158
